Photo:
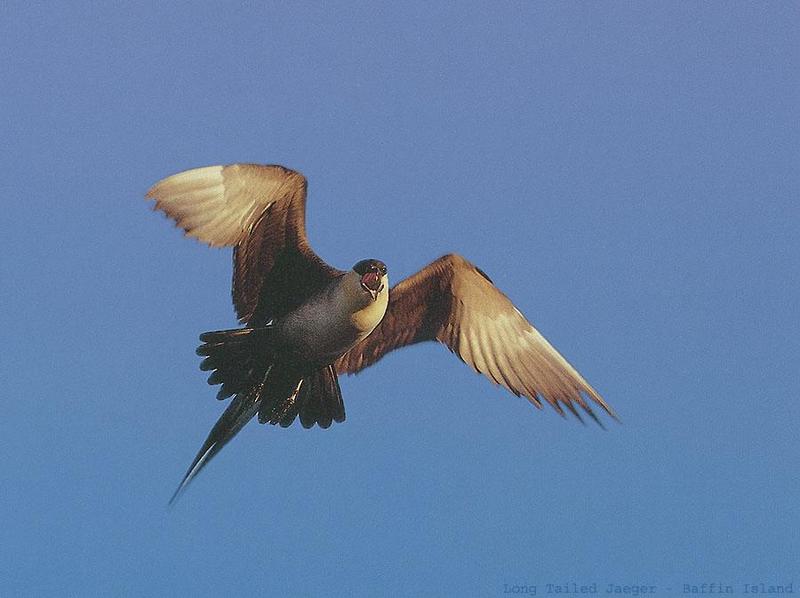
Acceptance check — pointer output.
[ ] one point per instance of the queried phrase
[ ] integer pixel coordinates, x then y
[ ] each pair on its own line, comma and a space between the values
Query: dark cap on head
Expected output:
365, 266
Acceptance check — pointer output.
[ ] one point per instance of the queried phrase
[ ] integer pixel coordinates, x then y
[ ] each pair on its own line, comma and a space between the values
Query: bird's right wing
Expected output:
455, 303
260, 210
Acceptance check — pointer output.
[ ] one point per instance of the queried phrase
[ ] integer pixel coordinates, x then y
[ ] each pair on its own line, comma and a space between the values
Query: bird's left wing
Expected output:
455, 303
260, 210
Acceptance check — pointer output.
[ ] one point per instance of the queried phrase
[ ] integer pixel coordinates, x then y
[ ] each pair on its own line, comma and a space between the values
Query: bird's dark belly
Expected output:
320, 345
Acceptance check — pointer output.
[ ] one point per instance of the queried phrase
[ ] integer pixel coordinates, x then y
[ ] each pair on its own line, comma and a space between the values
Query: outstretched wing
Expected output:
455, 303
260, 210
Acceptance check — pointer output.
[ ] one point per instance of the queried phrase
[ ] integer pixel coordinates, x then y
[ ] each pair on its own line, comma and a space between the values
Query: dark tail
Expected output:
246, 364
239, 412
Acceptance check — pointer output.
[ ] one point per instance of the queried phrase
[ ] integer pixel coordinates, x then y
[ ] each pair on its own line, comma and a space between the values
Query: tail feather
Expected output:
238, 358
250, 369
239, 412
242, 363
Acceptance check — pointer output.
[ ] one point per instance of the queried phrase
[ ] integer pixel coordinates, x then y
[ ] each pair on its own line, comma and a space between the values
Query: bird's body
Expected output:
306, 322
334, 320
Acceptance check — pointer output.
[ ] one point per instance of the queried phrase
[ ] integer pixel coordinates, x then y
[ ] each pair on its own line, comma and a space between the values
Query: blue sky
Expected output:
625, 172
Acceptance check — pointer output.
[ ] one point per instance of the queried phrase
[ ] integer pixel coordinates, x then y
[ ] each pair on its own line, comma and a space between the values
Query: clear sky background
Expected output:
625, 172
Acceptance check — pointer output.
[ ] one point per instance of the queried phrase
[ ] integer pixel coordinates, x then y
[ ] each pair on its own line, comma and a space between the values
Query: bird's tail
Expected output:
248, 365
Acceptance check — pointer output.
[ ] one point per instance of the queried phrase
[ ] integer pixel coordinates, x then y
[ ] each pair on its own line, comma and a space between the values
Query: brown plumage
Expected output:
454, 302
307, 321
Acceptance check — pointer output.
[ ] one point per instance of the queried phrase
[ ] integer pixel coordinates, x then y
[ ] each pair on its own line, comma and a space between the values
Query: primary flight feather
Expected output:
305, 321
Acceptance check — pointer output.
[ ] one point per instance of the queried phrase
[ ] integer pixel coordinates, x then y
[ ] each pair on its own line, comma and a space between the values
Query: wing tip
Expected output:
562, 404
595, 396
175, 195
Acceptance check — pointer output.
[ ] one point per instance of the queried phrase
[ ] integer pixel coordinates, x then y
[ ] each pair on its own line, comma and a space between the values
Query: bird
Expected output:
306, 322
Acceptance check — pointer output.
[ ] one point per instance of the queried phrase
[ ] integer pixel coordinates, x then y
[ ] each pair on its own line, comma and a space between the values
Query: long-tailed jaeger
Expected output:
305, 321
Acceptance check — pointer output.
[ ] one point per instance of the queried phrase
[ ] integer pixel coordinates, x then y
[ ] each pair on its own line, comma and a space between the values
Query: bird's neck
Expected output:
364, 312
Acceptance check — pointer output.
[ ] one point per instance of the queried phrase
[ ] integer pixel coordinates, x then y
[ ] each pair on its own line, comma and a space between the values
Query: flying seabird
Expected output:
305, 321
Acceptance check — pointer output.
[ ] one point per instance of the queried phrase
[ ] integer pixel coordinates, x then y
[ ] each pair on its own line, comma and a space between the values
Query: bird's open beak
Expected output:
372, 283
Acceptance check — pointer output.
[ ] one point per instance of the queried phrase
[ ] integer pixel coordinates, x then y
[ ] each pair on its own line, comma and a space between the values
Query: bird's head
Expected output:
373, 276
